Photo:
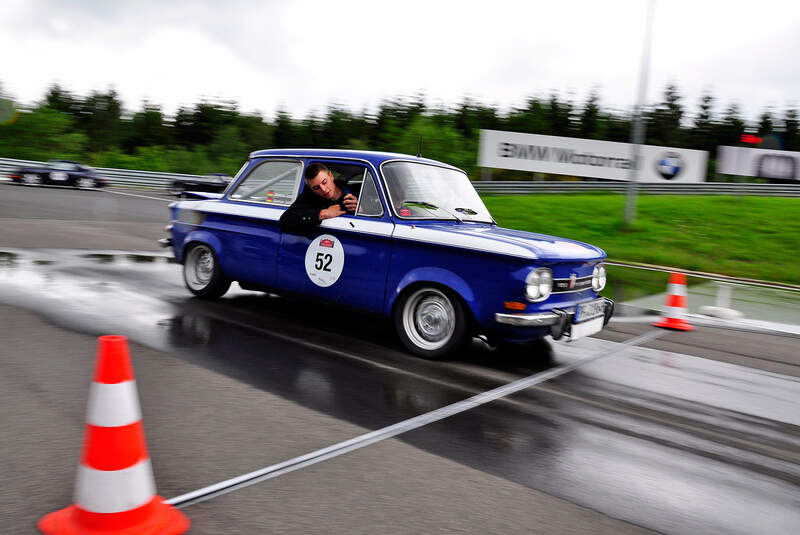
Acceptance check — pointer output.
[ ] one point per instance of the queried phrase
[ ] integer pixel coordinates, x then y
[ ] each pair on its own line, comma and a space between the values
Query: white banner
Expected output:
763, 163
588, 158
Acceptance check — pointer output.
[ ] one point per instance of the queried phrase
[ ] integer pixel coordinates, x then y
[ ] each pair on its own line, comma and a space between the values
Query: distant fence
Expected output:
696, 188
130, 177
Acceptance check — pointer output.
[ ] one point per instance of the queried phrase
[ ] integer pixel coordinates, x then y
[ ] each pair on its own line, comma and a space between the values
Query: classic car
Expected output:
213, 182
421, 249
58, 173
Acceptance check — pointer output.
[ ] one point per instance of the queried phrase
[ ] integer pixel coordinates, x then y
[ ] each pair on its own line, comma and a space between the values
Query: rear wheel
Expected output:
202, 273
431, 322
32, 179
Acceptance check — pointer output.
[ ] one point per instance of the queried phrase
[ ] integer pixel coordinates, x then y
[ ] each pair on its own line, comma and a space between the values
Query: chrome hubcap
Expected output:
199, 267
429, 319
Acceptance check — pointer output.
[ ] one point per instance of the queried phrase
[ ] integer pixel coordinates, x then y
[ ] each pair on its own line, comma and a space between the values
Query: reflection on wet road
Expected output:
675, 443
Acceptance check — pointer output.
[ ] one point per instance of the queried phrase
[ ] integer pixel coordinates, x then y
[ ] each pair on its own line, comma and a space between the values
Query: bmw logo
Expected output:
670, 165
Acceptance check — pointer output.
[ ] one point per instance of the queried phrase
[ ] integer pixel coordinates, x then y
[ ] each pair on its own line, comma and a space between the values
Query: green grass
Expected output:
743, 236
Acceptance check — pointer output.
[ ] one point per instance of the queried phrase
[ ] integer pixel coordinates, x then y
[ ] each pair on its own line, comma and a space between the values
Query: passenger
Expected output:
322, 198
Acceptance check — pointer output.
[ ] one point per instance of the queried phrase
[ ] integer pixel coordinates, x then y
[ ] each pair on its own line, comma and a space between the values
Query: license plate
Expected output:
590, 310
579, 330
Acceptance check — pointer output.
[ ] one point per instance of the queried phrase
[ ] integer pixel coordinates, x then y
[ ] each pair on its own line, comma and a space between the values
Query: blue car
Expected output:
420, 249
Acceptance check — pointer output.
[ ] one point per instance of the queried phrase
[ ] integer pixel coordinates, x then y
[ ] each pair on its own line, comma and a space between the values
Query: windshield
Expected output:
423, 191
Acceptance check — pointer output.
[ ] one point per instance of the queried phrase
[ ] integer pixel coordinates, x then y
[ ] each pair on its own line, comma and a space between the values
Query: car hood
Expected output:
515, 242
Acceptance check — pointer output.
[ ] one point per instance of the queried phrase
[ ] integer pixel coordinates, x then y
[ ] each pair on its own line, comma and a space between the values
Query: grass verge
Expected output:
742, 236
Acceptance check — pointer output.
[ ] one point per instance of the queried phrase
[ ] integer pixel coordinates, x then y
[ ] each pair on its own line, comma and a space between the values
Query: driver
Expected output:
322, 198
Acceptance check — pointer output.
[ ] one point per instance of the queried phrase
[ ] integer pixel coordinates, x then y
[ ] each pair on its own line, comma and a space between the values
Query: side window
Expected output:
369, 203
273, 182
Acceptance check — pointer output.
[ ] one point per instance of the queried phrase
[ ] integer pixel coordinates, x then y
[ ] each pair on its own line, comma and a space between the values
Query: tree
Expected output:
730, 129
558, 116
284, 135
664, 122
765, 124
99, 117
791, 136
531, 119
589, 118
41, 134
440, 141
147, 127
702, 134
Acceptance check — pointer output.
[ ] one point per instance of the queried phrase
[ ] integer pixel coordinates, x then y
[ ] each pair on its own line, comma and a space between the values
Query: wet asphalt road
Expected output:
687, 435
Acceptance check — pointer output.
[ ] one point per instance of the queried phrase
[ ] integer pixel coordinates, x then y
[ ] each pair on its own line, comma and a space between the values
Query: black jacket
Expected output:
304, 211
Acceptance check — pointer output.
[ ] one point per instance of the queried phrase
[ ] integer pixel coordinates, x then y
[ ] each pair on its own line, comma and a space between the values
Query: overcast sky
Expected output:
303, 55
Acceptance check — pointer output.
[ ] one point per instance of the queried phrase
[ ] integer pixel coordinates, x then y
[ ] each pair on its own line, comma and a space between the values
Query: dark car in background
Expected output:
212, 182
58, 173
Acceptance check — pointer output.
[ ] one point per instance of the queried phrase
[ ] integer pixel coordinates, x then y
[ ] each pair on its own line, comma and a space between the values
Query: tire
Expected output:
86, 182
31, 179
176, 189
202, 273
431, 321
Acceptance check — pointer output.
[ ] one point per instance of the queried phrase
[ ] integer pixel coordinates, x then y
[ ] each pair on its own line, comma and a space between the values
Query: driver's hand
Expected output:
350, 202
333, 210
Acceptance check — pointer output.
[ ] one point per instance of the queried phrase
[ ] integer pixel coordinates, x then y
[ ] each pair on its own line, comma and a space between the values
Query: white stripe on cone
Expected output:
676, 289
113, 405
674, 312
114, 491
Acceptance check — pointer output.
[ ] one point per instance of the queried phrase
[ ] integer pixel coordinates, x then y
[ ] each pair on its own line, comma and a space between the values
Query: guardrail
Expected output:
704, 275
687, 188
131, 177
116, 177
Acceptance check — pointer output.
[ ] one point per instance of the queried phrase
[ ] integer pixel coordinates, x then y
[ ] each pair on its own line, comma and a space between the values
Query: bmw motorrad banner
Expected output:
777, 165
588, 157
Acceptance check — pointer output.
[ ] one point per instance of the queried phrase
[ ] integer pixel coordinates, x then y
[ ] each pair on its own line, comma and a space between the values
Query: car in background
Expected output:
58, 173
421, 249
212, 182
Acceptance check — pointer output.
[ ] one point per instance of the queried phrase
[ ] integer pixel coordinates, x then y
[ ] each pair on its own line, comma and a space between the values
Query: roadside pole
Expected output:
637, 133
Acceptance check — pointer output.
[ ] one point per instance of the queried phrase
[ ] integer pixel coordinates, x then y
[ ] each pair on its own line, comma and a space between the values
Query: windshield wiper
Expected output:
430, 206
467, 211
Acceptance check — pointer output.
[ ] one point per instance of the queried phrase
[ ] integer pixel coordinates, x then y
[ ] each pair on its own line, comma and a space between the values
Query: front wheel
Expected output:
202, 273
85, 182
431, 322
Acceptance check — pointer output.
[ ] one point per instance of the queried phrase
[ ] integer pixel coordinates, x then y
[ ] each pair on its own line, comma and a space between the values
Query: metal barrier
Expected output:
687, 188
115, 177
130, 177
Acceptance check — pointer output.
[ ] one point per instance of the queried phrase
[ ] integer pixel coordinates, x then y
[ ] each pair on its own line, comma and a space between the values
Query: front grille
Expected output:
563, 286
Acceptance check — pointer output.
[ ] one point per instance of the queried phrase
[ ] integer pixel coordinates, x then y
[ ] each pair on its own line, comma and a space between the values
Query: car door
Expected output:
250, 221
344, 259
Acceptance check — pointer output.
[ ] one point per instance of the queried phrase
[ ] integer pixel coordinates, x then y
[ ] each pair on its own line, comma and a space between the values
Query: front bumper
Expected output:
557, 319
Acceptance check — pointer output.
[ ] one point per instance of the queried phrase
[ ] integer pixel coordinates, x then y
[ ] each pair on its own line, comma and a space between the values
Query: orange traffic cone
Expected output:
115, 491
674, 315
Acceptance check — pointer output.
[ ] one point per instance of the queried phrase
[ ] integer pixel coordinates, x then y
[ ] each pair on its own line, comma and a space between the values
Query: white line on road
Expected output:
269, 472
136, 195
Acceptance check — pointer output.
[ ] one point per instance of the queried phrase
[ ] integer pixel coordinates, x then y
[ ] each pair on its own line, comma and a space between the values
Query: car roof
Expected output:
374, 157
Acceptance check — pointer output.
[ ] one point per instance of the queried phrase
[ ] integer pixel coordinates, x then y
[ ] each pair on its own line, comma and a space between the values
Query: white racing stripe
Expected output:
361, 441
114, 491
113, 405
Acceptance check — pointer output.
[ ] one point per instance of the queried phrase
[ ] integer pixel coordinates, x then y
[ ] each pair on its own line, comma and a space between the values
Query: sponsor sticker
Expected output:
324, 260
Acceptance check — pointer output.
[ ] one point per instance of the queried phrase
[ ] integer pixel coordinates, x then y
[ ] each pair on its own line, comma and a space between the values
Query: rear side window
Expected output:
273, 182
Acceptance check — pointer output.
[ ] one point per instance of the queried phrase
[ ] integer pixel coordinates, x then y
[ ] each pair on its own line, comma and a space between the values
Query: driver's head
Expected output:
320, 179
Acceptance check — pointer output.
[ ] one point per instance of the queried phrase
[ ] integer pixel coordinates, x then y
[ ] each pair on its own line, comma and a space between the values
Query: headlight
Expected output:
538, 284
599, 277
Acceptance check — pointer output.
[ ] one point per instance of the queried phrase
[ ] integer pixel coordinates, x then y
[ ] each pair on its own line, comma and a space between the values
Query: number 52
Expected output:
323, 262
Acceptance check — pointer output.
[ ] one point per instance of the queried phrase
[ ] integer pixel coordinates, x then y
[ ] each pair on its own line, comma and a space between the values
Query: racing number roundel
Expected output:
324, 260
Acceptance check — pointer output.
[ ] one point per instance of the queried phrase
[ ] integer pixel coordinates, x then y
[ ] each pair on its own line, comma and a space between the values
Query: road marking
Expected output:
275, 470
135, 195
